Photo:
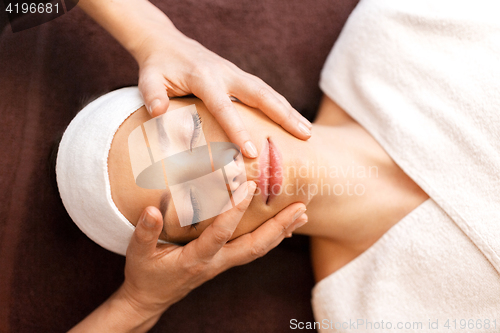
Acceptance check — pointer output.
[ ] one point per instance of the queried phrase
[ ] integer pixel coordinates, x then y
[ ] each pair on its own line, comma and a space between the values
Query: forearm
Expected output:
118, 314
130, 22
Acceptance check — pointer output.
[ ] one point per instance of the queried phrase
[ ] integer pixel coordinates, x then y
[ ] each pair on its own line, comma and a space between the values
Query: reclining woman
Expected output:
393, 251
354, 192
338, 170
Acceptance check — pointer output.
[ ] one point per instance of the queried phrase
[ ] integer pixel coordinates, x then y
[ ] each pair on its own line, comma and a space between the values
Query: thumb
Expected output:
154, 93
147, 231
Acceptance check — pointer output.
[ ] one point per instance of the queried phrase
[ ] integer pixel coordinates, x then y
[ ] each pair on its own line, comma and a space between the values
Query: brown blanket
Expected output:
51, 275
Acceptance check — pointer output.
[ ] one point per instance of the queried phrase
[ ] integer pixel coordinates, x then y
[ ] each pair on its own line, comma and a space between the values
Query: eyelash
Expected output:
196, 210
197, 129
194, 139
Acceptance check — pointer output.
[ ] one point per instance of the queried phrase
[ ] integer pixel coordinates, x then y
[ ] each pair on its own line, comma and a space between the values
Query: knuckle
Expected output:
202, 70
223, 106
231, 66
283, 100
192, 266
286, 117
262, 92
256, 79
281, 229
149, 91
243, 205
144, 88
146, 72
238, 131
141, 236
222, 235
195, 269
258, 251
146, 78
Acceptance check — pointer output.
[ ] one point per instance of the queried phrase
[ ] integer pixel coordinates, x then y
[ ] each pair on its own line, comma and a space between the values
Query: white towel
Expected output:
423, 272
82, 168
423, 77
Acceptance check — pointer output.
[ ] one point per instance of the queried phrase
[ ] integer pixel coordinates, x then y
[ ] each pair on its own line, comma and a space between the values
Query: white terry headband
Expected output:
82, 168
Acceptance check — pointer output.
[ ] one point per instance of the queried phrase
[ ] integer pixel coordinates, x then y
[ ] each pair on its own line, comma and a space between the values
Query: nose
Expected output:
235, 172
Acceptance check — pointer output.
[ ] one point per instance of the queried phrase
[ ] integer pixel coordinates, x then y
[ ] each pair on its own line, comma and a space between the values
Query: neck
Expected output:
353, 185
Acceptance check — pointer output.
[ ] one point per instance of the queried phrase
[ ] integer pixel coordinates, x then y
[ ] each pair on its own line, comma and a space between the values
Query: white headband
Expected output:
82, 168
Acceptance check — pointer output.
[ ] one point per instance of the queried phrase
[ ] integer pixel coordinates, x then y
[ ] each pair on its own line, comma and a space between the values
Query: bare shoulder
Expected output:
328, 256
329, 113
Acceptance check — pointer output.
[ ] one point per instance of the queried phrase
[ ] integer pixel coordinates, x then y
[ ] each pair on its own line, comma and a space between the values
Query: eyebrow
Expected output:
164, 201
164, 139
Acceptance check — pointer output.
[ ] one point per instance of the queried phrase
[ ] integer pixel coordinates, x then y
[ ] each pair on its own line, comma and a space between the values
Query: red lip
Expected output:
271, 172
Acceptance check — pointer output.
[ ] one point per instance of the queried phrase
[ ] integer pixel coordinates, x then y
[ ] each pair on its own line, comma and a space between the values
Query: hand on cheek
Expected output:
156, 276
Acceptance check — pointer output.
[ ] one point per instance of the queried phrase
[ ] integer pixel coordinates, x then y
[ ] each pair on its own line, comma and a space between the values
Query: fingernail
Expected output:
303, 128
250, 149
251, 189
148, 220
299, 224
306, 122
154, 104
298, 214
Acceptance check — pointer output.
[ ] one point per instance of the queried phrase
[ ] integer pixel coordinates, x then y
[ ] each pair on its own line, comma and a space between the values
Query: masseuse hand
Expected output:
174, 65
171, 64
157, 276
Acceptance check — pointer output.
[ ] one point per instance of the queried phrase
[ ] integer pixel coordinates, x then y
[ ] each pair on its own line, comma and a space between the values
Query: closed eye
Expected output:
196, 210
196, 131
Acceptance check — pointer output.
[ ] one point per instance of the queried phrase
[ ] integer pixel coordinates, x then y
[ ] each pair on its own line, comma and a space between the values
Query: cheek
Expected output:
253, 218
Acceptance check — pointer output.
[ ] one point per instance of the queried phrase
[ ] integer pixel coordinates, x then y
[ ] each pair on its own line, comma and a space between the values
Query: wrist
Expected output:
159, 37
139, 306
119, 314
133, 23
148, 30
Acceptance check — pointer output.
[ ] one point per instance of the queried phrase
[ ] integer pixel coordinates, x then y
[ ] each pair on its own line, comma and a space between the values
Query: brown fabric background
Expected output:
51, 275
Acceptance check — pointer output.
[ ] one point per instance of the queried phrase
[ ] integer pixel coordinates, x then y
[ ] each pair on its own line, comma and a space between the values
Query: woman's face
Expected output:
276, 171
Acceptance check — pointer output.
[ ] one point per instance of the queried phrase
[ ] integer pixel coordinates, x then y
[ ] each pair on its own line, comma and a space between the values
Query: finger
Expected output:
296, 225
259, 82
299, 116
219, 104
146, 233
249, 247
259, 95
213, 238
282, 99
258, 243
154, 92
